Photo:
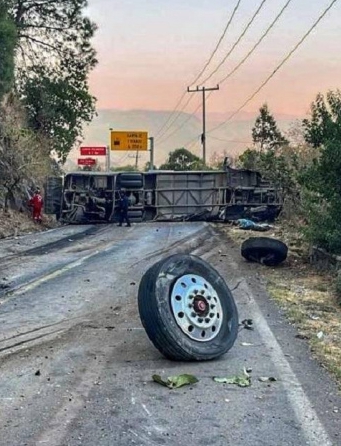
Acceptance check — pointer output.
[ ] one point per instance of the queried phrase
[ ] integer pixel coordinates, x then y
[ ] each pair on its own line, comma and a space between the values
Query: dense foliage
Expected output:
321, 180
308, 170
265, 133
54, 57
8, 40
182, 159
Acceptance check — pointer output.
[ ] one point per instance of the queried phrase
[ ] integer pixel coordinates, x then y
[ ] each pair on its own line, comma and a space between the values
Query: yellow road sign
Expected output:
129, 140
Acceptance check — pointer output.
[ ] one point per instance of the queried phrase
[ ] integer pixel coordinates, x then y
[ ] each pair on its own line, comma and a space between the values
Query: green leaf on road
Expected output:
240, 380
174, 382
159, 380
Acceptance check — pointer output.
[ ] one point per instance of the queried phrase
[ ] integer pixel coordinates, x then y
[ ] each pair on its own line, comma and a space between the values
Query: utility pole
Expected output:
203, 136
151, 163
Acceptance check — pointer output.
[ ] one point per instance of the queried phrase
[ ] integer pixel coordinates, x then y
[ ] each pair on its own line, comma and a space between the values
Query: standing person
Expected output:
123, 208
37, 203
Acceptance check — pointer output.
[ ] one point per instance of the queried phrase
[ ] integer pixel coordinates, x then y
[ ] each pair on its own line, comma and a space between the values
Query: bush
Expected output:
337, 285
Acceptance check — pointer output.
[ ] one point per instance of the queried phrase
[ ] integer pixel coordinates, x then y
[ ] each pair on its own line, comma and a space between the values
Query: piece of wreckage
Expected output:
187, 309
264, 250
230, 194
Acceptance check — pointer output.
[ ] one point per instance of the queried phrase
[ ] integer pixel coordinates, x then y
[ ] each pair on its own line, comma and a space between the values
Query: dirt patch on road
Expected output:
307, 296
14, 223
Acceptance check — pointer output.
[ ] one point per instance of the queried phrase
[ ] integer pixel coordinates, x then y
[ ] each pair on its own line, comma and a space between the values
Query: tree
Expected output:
249, 159
324, 124
8, 40
321, 180
221, 159
182, 159
57, 108
265, 133
54, 58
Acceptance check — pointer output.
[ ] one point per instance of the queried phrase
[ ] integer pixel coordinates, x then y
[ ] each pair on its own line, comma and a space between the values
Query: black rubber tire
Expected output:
264, 250
130, 177
130, 184
130, 180
135, 213
157, 316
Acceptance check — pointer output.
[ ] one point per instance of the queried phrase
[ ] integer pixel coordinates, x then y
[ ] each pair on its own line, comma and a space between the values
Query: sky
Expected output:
150, 51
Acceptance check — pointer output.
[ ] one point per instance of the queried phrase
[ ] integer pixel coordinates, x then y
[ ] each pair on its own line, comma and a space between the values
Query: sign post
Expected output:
151, 163
86, 161
93, 151
130, 140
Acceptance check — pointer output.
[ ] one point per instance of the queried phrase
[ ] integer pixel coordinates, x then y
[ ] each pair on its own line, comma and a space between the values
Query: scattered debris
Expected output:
264, 250
244, 223
301, 336
240, 380
247, 324
265, 379
132, 283
174, 382
37, 373
320, 335
246, 344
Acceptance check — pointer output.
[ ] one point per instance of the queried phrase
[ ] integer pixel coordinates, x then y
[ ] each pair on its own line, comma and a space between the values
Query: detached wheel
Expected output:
264, 250
187, 309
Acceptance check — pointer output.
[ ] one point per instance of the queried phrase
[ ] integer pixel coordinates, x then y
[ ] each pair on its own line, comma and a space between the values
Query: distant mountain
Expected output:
233, 137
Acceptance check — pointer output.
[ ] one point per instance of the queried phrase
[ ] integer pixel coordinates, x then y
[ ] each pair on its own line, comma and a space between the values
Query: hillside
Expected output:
233, 137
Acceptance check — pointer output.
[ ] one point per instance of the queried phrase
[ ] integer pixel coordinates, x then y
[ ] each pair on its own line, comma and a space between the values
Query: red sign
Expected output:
93, 151
86, 162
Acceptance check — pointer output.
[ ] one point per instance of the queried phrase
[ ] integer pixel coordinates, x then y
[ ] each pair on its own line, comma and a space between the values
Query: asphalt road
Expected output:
76, 364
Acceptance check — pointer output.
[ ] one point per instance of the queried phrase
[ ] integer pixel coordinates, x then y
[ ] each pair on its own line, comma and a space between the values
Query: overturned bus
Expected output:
92, 197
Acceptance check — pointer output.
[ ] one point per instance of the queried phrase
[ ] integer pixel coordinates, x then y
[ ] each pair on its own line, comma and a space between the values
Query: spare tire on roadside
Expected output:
265, 250
187, 309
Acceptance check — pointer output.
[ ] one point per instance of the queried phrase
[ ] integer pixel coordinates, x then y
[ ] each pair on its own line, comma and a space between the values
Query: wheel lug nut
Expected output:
200, 320
190, 306
193, 314
211, 314
207, 320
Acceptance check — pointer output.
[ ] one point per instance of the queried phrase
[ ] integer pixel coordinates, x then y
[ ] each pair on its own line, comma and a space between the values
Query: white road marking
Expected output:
313, 429
144, 407
35, 283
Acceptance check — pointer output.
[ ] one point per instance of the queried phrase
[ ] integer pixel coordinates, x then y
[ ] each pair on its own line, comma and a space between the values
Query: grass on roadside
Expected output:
307, 297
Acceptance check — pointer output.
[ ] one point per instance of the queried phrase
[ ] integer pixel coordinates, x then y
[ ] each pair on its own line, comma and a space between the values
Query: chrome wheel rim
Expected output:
197, 308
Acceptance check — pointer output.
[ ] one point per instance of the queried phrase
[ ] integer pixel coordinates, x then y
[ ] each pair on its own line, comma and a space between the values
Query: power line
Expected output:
230, 140
160, 133
219, 42
171, 115
226, 77
213, 72
256, 44
237, 41
201, 72
287, 57
203, 136
182, 124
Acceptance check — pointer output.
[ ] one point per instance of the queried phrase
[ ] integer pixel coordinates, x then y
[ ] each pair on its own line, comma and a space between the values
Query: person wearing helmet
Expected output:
37, 204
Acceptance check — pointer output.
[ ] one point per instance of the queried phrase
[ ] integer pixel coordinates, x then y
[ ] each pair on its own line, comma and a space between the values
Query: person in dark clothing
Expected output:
123, 209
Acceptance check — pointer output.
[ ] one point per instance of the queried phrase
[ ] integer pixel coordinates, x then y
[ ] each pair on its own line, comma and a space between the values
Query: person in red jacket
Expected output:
37, 203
